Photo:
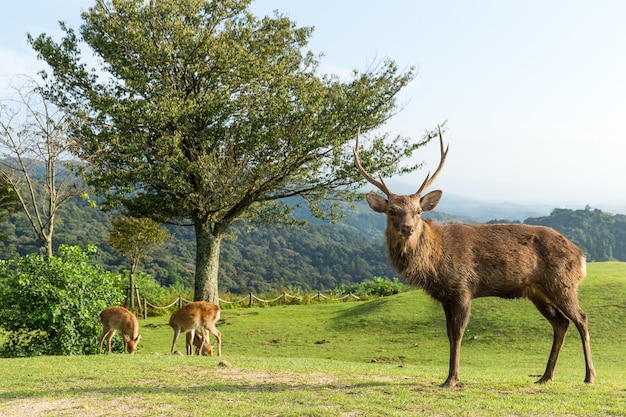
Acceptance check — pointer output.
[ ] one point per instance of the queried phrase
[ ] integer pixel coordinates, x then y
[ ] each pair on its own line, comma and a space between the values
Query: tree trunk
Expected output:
48, 245
131, 279
49, 232
207, 263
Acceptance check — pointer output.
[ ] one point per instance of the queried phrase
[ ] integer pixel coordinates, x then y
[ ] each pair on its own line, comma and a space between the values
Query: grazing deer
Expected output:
202, 347
119, 319
455, 263
196, 316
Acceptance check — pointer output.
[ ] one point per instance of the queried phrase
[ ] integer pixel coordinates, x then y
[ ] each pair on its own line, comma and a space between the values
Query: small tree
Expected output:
135, 238
50, 306
35, 158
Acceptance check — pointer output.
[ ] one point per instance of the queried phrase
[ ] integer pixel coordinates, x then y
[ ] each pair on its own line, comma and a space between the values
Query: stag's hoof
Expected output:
543, 380
591, 376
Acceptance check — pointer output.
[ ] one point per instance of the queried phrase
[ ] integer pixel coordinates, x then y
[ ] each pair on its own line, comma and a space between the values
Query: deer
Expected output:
198, 316
455, 263
120, 319
202, 346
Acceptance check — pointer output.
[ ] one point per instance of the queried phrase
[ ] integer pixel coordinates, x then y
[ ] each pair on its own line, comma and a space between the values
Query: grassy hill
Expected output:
384, 357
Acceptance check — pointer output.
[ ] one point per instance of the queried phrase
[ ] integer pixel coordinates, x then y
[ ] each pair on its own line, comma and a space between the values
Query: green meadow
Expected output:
384, 357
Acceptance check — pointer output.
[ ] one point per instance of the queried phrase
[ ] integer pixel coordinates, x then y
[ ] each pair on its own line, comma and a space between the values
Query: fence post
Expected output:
319, 296
145, 309
250, 303
180, 301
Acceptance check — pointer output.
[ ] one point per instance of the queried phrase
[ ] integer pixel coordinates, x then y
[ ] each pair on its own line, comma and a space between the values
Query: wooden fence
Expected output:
247, 301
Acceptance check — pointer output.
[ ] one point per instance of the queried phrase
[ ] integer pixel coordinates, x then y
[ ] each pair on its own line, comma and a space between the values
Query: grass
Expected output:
377, 358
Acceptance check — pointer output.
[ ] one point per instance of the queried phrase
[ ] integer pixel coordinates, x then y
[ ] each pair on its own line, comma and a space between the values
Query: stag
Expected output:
456, 262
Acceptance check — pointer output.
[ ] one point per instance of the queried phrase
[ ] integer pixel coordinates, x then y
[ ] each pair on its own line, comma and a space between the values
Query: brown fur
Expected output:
455, 263
197, 316
119, 319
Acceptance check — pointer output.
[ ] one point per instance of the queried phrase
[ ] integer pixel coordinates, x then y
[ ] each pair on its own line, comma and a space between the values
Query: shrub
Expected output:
51, 306
377, 287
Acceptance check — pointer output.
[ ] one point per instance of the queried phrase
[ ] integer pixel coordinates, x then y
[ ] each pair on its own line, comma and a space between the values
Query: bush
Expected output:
51, 306
377, 287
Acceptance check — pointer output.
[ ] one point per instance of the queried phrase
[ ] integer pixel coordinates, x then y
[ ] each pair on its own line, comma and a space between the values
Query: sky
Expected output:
533, 91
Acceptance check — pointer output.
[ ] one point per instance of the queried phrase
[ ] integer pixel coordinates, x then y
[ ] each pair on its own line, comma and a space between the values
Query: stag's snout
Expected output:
407, 230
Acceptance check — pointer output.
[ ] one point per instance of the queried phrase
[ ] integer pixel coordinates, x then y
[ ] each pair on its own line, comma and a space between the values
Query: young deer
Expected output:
197, 316
119, 319
202, 347
455, 263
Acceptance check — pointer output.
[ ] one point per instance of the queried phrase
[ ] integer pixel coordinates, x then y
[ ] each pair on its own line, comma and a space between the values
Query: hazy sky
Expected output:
534, 91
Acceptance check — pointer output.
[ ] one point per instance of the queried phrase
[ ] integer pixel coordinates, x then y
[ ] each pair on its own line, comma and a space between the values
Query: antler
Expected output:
379, 184
429, 180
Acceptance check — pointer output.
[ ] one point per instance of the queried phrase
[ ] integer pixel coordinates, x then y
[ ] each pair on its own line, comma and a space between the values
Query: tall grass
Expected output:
384, 357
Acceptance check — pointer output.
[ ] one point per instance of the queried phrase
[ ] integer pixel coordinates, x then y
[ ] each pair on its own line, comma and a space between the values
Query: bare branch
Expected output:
32, 135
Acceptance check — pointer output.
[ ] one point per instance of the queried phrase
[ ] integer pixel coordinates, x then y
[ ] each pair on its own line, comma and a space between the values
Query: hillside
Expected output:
317, 256
602, 236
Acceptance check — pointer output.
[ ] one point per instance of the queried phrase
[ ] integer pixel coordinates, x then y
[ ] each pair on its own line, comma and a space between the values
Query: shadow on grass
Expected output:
361, 310
358, 388
407, 311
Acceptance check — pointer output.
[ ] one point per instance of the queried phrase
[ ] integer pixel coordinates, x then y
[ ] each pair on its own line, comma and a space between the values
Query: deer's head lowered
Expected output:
403, 211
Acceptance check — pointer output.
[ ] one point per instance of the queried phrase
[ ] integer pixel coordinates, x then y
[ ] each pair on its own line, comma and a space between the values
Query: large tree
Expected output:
197, 110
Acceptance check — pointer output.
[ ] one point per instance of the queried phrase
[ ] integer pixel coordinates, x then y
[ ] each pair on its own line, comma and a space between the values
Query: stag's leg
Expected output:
573, 311
559, 324
457, 316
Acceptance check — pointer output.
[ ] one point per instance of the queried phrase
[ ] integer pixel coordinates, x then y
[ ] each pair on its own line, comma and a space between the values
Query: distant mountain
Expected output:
460, 208
481, 211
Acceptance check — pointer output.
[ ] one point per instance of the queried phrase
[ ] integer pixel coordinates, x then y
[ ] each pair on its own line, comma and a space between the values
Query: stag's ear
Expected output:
430, 200
376, 202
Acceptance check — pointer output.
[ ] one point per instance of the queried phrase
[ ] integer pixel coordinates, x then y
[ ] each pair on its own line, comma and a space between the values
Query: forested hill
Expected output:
317, 256
602, 236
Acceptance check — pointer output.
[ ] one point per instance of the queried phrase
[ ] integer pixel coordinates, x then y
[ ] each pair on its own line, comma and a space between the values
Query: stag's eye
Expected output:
394, 211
